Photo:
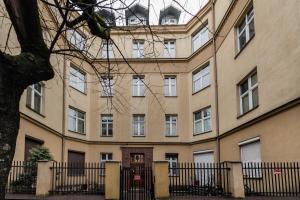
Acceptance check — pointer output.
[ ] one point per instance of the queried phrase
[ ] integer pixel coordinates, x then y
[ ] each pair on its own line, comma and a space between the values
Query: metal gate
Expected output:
136, 183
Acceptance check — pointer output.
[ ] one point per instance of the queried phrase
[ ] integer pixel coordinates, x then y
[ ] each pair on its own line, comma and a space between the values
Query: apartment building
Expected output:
222, 87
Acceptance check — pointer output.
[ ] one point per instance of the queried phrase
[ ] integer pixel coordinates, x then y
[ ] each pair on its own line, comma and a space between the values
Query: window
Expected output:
107, 125
138, 125
76, 163
31, 143
171, 125
248, 90
137, 19
76, 120
138, 48
107, 49
201, 79
169, 48
78, 40
169, 20
35, 97
250, 153
202, 121
77, 79
245, 30
200, 38
138, 86
170, 86
107, 89
173, 164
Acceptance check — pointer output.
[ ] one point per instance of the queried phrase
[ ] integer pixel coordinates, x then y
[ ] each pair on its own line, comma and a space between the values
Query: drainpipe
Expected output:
216, 80
63, 109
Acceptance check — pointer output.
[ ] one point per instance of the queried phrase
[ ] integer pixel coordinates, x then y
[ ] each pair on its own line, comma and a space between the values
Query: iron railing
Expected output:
202, 179
83, 178
271, 179
22, 178
136, 183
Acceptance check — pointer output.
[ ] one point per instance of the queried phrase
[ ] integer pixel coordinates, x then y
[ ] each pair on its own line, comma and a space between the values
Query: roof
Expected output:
137, 9
107, 14
170, 10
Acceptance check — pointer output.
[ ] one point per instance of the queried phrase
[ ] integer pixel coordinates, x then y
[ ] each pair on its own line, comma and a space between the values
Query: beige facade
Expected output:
273, 53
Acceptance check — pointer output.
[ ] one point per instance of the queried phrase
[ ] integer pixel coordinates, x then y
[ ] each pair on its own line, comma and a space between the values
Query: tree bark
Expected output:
16, 74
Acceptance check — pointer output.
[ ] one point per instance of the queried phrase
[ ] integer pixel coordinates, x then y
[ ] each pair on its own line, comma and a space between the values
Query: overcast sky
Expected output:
192, 6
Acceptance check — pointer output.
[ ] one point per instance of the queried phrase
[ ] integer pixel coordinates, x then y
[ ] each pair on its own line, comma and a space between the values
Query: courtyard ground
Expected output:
97, 197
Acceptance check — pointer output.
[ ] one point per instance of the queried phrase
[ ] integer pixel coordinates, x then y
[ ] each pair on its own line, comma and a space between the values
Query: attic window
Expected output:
136, 20
168, 20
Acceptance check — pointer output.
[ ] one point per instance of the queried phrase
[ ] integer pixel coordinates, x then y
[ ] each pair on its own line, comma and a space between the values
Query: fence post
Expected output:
236, 184
161, 181
112, 180
44, 178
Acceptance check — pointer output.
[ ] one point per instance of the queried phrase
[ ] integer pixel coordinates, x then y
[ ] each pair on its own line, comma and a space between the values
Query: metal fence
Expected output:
136, 183
22, 178
202, 179
271, 179
83, 178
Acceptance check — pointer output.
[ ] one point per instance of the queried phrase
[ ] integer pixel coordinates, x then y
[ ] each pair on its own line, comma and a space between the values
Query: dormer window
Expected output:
136, 20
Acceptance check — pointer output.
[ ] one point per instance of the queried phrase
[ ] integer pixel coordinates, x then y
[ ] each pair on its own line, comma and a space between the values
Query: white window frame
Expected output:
138, 48
246, 28
172, 159
107, 87
169, 84
109, 51
138, 86
249, 92
201, 120
169, 20
34, 91
170, 48
77, 79
200, 38
137, 19
198, 76
107, 121
169, 123
138, 119
76, 120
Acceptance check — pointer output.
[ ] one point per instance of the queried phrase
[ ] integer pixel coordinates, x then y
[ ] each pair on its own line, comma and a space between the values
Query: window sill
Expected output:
195, 134
138, 136
138, 96
172, 135
171, 96
102, 96
201, 90
107, 136
239, 52
241, 115
84, 93
40, 114
77, 132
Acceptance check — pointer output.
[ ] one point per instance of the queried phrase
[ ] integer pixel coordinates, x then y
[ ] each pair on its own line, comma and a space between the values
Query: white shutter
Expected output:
251, 152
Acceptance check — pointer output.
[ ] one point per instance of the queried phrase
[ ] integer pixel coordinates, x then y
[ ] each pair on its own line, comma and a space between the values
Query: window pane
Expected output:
244, 87
104, 129
207, 125
242, 39
28, 98
251, 28
80, 126
242, 26
174, 128
205, 80
72, 123
80, 115
206, 112
255, 97
38, 87
197, 85
37, 102
197, 115
110, 129
168, 131
198, 127
245, 103
253, 79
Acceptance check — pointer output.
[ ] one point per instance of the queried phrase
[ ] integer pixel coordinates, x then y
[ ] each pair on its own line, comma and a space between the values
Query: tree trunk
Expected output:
10, 94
